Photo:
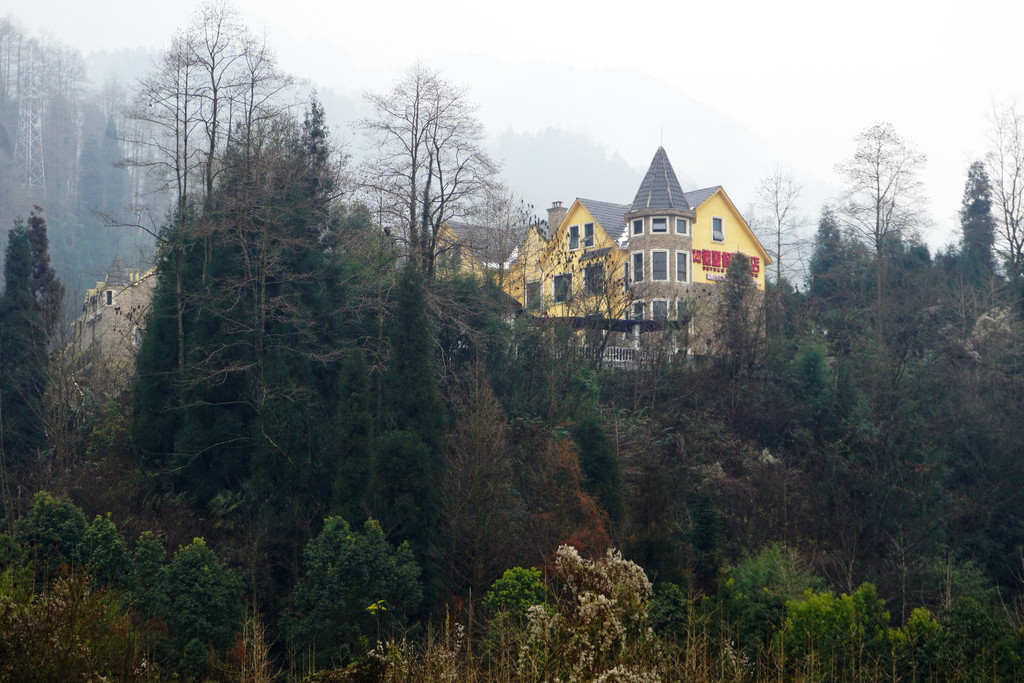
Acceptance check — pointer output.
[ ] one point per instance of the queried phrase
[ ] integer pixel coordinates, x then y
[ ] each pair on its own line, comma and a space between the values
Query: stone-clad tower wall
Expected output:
659, 226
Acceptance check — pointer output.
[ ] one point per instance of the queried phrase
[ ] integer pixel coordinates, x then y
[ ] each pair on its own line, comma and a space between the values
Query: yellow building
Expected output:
659, 258
470, 249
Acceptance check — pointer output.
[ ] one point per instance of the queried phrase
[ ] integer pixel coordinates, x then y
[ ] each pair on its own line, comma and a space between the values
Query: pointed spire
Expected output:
660, 188
116, 276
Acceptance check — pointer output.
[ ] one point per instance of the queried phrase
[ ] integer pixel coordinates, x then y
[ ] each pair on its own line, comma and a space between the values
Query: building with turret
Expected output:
113, 315
659, 259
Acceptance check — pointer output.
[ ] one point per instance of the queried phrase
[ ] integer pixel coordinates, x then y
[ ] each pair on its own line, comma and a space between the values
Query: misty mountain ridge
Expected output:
561, 132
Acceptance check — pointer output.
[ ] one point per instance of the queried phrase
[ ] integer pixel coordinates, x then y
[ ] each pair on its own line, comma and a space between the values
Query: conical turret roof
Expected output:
660, 188
117, 276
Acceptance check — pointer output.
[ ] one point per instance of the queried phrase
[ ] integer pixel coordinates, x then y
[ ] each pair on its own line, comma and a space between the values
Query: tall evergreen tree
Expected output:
599, 463
354, 440
738, 319
253, 409
977, 225
48, 290
827, 254
409, 466
413, 400
22, 359
839, 287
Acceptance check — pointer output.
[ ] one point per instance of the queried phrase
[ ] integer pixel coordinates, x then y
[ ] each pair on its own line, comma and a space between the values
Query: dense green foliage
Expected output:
76, 603
22, 360
355, 588
978, 226
515, 592
826, 487
201, 602
410, 456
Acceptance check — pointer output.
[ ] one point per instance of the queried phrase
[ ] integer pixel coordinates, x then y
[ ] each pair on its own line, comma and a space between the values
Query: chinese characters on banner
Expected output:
717, 261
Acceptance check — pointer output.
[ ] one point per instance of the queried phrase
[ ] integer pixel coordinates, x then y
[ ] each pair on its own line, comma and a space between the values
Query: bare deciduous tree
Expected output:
883, 201
1006, 170
778, 195
505, 218
430, 167
207, 93
210, 88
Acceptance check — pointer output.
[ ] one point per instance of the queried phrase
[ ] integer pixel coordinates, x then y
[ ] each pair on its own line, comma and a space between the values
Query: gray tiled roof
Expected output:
612, 217
697, 197
660, 188
487, 244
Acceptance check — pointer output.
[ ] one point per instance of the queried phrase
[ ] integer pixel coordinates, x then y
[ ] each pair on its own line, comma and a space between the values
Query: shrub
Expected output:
201, 601
51, 534
354, 585
515, 592
845, 634
597, 630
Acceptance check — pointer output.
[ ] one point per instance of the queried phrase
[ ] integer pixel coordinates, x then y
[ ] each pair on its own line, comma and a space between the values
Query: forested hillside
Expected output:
61, 142
339, 457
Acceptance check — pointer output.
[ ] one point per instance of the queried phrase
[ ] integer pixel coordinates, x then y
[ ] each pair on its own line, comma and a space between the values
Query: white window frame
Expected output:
584, 240
668, 274
689, 265
685, 222
554, 288
659, 301
632, 258
643, 310
633, 224
722, 220
568, 237
676, 311
689, 323
540, 294
659, 218
587, 280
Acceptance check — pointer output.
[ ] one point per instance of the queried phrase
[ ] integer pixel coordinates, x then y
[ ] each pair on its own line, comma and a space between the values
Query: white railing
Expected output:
620, 355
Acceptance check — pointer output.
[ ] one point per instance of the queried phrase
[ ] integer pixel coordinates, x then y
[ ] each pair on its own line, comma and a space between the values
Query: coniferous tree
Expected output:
738, 323
977, 225
257, 399
409, 465
48, 290
22, 359
354, 440
413, 400
156, 397
598, 461
839, 282
827, 254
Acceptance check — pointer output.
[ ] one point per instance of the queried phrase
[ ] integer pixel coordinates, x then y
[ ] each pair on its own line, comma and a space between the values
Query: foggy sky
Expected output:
794, 81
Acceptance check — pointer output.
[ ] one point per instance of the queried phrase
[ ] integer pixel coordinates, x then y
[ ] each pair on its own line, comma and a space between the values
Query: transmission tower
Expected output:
28, 148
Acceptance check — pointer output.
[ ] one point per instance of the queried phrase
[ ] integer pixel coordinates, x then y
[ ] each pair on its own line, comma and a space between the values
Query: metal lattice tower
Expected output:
28, 148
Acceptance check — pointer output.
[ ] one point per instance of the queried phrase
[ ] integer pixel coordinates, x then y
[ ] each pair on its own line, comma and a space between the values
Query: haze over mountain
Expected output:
745, 86
547, 123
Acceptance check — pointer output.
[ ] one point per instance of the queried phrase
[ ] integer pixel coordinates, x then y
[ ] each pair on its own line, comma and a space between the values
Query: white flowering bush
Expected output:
596, 629
441, 657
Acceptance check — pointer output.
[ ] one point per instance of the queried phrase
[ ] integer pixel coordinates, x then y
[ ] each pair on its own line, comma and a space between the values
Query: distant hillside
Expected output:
561, 132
